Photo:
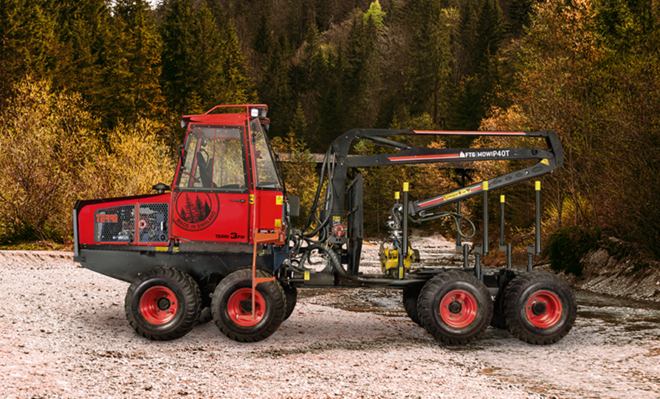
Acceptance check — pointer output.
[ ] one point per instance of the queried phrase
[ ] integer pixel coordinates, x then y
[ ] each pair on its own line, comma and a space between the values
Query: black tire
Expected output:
207, 286
291, 294
410, 295
205, 315
498, 320
150, 309
231, 307
455, 307
540, 308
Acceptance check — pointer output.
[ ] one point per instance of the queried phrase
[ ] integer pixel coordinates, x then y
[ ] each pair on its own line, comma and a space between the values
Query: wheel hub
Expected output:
163, 303
539, 308
246, 306
455, 307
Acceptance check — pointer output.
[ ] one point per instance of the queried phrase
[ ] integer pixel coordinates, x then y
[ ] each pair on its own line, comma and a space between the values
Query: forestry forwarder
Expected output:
218, 244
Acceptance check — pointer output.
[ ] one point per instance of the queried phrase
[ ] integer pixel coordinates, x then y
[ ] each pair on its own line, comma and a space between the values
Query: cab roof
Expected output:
227, 118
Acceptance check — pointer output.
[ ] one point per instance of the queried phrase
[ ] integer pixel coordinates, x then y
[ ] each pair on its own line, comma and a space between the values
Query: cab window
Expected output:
266, 173
214, 159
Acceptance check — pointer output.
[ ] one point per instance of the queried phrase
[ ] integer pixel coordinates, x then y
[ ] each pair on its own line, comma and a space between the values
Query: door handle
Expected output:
242, 201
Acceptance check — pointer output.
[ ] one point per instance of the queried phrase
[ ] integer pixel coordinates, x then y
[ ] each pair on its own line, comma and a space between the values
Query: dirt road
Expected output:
63, 333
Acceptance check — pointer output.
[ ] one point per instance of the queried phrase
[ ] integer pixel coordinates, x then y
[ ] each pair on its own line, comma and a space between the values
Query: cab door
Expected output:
268, 186
210, 198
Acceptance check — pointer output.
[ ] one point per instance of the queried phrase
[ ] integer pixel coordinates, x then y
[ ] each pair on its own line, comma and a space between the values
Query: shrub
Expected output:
567, 245
53, 152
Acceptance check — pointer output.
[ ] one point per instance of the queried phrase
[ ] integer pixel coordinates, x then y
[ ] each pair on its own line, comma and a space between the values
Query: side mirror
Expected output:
293, 205
161, 188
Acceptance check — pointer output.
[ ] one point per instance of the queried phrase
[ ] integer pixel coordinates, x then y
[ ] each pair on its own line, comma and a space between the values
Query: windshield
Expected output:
214, 158
266, 173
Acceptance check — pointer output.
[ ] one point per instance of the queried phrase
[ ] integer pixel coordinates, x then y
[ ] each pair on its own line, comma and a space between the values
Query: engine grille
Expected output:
153, 222
116, 224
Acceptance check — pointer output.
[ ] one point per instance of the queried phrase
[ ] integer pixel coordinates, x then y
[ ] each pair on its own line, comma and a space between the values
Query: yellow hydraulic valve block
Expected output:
389, 259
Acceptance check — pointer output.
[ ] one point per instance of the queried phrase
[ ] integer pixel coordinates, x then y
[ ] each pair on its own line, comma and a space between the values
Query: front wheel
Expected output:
455, 307
232, 307
540, 308
162, 304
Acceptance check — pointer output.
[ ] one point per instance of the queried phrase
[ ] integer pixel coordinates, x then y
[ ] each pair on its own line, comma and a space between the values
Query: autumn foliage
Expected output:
91, 93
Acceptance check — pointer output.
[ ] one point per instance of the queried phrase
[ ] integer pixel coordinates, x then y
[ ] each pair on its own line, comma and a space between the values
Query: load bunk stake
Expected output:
403, 251
535, 249
504, 247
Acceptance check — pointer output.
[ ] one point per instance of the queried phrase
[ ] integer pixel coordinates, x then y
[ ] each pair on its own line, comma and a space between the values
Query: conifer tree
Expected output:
274, 89
237, 87
361, 76
86, 33
28, 44
519, 12
133, 65
428, 73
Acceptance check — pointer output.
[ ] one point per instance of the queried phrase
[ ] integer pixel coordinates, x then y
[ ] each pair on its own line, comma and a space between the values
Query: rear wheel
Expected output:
540, 308
232, 307
455, 307
162, 304
410, 295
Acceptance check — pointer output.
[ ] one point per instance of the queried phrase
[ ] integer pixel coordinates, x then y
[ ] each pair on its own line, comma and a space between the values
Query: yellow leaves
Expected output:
510, 119
52, 153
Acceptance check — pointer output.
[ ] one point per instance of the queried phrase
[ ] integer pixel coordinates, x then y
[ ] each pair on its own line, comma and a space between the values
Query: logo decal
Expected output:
106, 218
195, 211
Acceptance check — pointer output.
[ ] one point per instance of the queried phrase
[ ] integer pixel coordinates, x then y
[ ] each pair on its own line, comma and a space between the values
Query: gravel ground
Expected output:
64, 334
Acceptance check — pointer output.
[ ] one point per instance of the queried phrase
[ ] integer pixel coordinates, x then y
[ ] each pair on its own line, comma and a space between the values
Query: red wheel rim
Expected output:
543, 309
158, 305
458, 308
239, 308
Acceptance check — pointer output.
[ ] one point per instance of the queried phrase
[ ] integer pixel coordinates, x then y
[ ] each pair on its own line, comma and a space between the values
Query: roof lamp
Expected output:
254, 112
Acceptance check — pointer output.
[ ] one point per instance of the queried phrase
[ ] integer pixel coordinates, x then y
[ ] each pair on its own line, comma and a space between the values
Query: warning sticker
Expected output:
456, 194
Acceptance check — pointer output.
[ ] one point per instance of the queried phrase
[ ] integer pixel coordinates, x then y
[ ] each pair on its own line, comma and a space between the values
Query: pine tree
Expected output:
480, 34
428, 74
28, 44
273, 87
86, 33
133, 65
519, 12
361, 77
237, 89
298, 128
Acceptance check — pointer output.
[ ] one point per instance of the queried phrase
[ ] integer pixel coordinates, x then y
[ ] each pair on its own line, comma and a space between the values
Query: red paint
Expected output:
86, 218
221, 217
149, 305
423, 157
468, 309
553, 309
467, 133
240, 311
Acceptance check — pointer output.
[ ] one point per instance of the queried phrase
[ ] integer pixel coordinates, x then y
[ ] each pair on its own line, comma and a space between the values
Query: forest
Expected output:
92, 91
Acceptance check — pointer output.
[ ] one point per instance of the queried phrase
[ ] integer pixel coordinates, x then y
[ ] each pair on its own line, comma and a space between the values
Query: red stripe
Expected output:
441, 199
432, 202
423, 157
466, 133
